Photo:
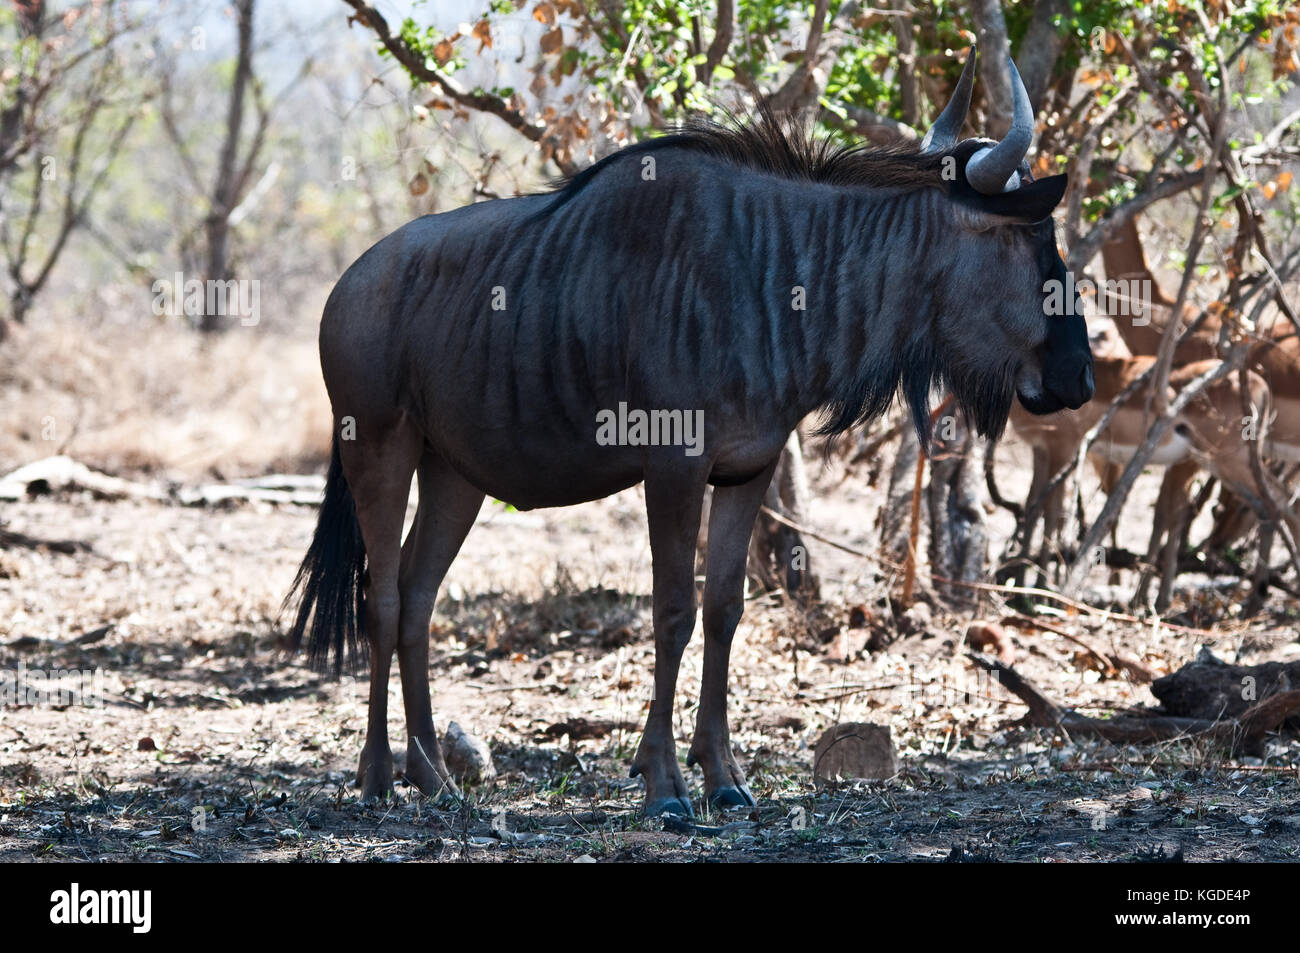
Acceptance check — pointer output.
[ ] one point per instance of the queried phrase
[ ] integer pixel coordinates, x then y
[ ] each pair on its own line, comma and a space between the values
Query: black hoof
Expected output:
678, 806
732, 796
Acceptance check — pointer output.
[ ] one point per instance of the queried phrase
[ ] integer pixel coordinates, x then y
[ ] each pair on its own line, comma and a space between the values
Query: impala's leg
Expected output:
731, 521
1169, 559
1053, 513
1109, 476
378, 466
448, 505
1171, 501
1037, 484
673, 509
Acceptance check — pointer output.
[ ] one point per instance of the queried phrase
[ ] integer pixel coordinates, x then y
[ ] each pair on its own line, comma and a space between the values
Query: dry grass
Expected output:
161, 399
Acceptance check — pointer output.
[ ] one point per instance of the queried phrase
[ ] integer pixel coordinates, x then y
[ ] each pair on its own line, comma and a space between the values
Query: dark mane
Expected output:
784, 146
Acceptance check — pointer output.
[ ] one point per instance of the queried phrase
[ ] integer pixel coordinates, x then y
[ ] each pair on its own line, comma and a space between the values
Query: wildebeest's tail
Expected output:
329, 584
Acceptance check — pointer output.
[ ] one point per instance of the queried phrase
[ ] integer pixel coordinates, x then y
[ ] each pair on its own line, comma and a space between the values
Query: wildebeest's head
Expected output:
1008, 298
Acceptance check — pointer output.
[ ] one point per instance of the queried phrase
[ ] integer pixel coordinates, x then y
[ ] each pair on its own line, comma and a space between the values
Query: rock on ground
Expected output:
468, 758
855, 750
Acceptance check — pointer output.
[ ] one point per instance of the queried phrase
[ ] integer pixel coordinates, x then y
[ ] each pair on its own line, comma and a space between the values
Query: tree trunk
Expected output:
909, 88
991, 32
958, 534
896, 514
30, 18
1040, 49
778, 554
225, 191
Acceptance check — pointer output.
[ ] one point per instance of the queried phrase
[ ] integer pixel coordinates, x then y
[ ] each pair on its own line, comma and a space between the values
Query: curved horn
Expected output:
943, 134
990, 170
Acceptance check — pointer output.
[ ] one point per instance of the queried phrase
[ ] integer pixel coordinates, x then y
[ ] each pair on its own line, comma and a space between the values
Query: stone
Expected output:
468, 758
855, 750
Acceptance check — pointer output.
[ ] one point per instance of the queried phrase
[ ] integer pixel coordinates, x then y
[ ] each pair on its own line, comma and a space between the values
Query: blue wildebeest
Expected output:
744, 276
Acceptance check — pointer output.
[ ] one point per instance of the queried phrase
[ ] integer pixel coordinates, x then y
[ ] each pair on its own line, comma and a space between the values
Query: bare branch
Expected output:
1082, 170
170, 126
870, 125
1101, 525
1165, 355
369, 17
1082, 251
800, 89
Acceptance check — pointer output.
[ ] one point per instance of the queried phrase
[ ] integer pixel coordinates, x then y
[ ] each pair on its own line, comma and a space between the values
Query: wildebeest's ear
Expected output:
1028, 204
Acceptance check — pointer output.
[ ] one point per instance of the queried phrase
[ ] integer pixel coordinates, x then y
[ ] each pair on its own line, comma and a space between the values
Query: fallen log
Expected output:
54, 475
213, 494
1243, 735
62, 474
11, 539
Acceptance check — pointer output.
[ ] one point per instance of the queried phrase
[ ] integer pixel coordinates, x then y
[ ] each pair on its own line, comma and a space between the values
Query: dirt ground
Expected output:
212, 745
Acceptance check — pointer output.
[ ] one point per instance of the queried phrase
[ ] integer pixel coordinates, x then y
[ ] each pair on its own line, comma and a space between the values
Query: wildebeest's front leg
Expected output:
673, 510
731, 522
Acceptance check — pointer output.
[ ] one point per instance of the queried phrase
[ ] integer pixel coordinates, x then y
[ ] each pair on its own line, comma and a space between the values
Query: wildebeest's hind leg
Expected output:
378, 466
731, 522
673, 505
448, 506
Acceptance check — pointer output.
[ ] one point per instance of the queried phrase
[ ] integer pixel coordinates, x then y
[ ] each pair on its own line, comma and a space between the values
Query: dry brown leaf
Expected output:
443, 50
544, 13
552, 41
